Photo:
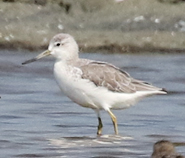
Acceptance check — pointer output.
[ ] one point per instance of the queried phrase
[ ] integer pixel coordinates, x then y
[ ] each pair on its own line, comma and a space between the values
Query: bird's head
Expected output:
62, 47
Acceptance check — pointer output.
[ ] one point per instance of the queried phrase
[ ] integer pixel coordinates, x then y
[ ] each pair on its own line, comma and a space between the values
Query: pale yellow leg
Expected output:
114, 121
100, 126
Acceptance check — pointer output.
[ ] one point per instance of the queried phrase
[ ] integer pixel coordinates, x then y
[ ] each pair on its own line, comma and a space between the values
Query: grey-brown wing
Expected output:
114, 79
105, 75
144, 86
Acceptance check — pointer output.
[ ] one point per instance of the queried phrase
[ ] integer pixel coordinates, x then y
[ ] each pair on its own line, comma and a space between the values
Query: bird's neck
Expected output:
70, 61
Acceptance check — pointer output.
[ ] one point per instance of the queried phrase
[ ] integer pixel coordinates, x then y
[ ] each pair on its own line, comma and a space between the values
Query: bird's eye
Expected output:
58, 44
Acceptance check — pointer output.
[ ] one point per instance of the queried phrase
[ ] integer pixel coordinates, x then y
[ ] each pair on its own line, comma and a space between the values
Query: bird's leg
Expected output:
100, 126
114, 121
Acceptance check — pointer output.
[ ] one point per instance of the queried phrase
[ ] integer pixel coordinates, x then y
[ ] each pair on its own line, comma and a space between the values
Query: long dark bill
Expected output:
43, 54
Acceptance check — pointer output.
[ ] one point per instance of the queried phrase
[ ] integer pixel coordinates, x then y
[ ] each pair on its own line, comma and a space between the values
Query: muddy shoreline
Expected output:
109, 26
112, 48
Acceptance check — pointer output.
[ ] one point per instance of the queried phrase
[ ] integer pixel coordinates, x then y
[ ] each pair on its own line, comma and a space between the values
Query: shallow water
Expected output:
37, 120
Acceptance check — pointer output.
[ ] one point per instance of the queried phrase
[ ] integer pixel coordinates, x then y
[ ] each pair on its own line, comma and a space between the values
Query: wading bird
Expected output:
93, 84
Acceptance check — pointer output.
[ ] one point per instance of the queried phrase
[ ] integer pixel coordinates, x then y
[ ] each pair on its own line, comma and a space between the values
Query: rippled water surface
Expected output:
37, 120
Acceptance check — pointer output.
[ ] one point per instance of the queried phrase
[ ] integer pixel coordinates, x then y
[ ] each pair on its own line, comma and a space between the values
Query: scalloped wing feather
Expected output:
114, 79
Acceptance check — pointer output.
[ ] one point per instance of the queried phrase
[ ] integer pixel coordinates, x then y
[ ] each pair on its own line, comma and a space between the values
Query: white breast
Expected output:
71, 84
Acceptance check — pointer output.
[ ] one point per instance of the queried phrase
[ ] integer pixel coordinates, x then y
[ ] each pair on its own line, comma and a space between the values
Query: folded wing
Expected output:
113, 78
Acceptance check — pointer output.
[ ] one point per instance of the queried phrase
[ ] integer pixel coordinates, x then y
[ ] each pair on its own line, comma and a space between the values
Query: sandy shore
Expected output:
107, 25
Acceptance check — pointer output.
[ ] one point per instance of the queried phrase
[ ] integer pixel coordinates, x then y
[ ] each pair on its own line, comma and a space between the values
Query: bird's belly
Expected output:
87, 94
90, 96
77, 95
75, 89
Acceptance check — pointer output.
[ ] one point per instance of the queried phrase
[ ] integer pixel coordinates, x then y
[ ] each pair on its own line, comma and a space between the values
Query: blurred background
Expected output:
108, 25
146, 38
